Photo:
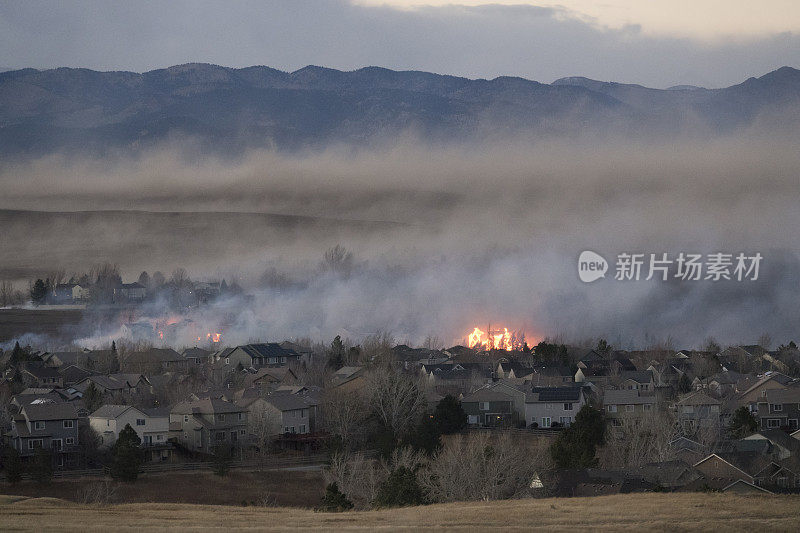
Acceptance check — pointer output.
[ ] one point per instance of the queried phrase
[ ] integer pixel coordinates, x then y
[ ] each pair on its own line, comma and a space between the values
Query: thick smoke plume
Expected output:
443, 238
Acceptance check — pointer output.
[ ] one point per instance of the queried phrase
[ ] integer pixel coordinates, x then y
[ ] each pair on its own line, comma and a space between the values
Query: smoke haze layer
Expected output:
444, 238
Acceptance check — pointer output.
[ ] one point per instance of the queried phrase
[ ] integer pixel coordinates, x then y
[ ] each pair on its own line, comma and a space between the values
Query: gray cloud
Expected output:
483, 41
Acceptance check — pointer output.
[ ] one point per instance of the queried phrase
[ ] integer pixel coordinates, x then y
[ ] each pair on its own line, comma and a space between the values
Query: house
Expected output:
36, 373
778, 408
550, 376
722, 469
638, 380
348, 378
758, 391
488, 407
151, 425
698, 410
784, 445
547, 407
686, 449
669, 475
284, 413
49, 425
512, 370
625, 406
116, 383
267, 379
132, 292
201, 425
155, 360
196, 356
256, 356
72, 374
70, 293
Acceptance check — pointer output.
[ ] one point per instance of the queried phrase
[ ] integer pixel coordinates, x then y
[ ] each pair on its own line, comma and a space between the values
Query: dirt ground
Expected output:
279, 487
626, 512
15, 322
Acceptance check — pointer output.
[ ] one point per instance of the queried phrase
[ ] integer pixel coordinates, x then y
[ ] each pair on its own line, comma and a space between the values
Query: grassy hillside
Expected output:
640, 512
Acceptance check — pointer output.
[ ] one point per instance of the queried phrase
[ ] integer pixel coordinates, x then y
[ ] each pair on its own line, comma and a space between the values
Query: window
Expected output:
647, 407
221, 418
616, 422
688, 408
227, 360
715, 408
546, 422
242, 432
776, 407
70, 441
34, 443
220, 435
159, 437
69, 424
484, 406
302, 428
565, 421
611, 408
304, 413
645, 386
568, 407
629, 408
774, 423
56, 444
38, 425
140, 421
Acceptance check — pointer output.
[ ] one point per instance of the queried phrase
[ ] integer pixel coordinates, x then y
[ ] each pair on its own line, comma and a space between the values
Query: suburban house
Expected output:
268, 379
512, 370
547, 407
550, 376
196, 356
721, 470
779, 408
116, 383
256, 356
488, 407
698, 410
758, 390
201, 425
70, 293
623, 406
72, 374
639, 380
155, 360
283, 413
49, 425
151, 425
132, 292
36, 373
348, 378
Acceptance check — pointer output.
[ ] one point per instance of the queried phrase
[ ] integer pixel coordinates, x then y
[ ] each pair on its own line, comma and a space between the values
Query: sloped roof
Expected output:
195, 352
155, 355
626, 397
487, 395
777, 376
51, 411
553, 394
639, 376
267, 349
111, 411
206, 406
698, 398
287, 402
786, 395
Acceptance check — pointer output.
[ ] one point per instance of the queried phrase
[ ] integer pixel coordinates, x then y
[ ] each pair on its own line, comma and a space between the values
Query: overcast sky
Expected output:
657, 43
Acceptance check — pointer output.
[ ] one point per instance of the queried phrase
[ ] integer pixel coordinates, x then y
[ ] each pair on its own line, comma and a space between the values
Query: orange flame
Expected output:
214, 337
499, 339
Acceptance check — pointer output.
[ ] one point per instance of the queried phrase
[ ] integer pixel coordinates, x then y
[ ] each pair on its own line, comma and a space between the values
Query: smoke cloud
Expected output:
444, 238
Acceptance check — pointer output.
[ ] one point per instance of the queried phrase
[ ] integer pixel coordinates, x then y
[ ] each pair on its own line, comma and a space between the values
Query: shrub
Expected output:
400, 489
334, 500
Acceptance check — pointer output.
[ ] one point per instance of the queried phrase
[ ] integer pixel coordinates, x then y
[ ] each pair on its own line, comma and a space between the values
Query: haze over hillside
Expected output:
229, 110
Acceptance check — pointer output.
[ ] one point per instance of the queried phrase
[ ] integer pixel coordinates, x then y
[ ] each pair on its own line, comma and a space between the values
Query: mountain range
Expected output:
228, 109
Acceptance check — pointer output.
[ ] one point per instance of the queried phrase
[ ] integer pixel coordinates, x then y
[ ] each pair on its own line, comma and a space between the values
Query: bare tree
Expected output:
765, 341
396, 399
478, 467
640, 440
264, 425
357, 476
9, 296
337, 260
344, 414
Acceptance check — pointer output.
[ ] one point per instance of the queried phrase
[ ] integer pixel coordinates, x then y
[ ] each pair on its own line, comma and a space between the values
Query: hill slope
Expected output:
640, 512
232, 109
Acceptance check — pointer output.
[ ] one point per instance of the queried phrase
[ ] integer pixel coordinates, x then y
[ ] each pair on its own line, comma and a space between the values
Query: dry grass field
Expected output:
639, 512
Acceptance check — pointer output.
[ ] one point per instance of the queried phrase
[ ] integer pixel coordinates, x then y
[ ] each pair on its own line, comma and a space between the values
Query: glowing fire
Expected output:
496, 339
214, 337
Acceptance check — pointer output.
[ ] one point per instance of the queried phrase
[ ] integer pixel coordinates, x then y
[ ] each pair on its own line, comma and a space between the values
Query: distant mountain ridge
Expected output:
230, 109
